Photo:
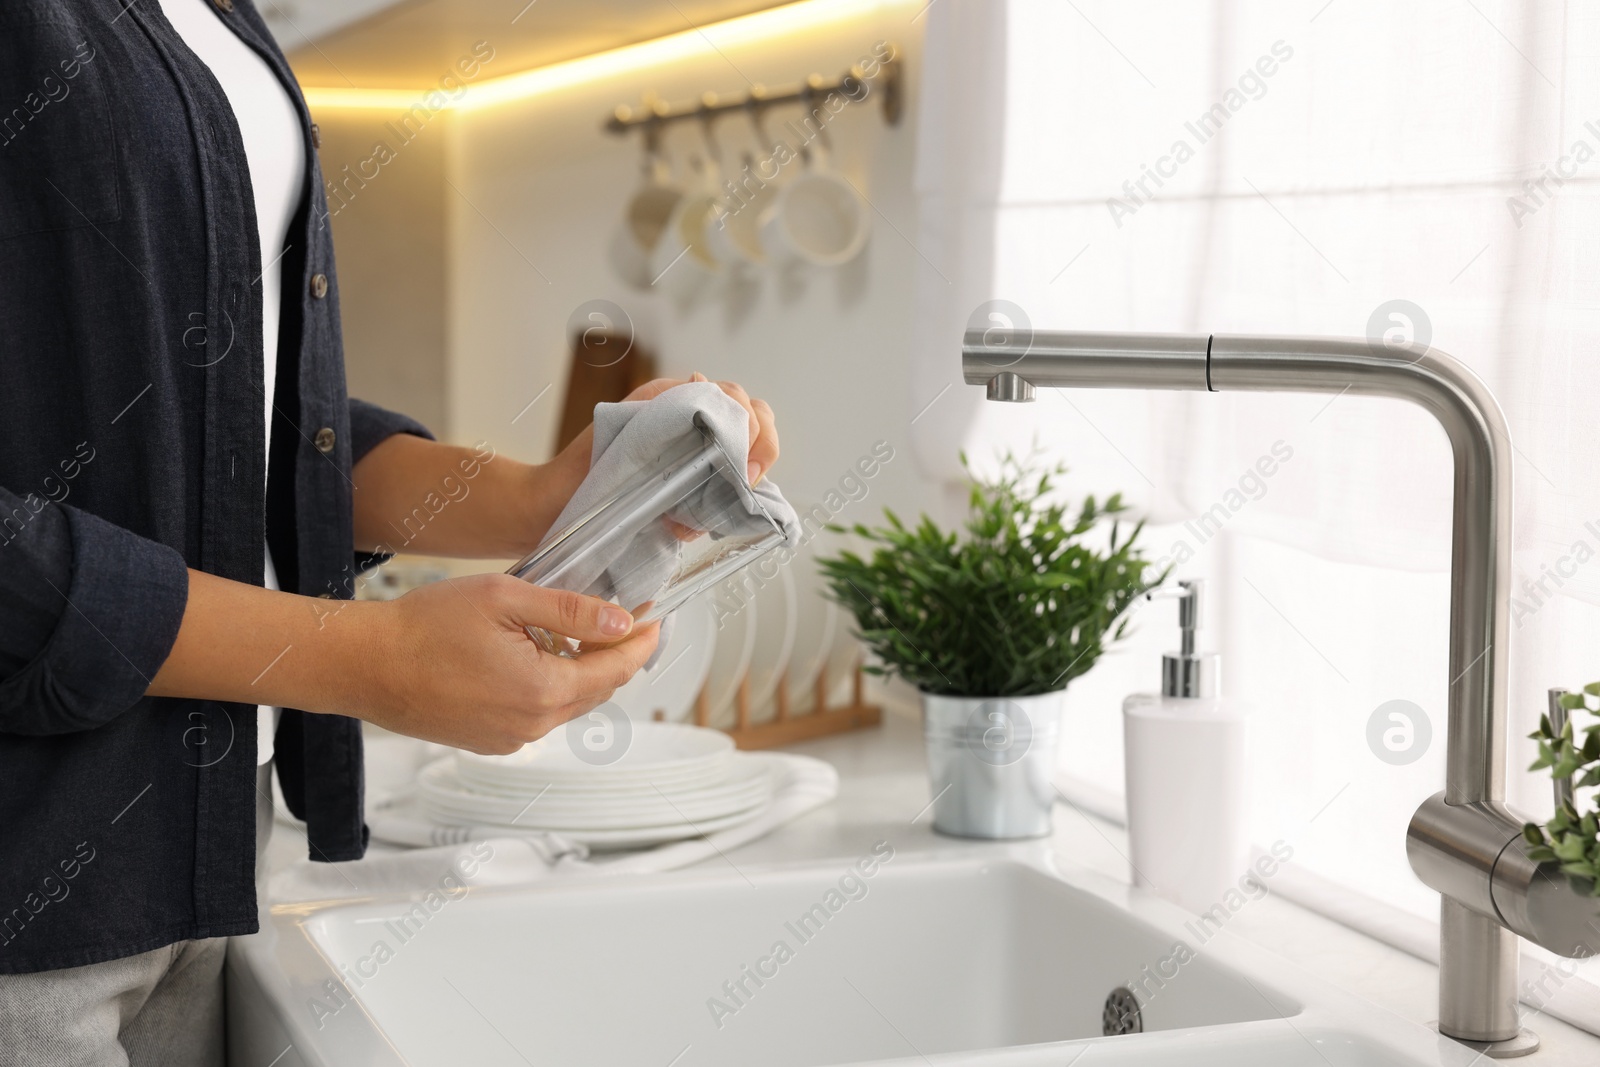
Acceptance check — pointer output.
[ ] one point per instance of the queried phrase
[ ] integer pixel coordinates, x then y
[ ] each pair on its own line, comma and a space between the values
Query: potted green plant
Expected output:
1572, 836
991, 624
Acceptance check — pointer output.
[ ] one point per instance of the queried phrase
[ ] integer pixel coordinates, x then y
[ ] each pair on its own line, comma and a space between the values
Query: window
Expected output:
1289, 168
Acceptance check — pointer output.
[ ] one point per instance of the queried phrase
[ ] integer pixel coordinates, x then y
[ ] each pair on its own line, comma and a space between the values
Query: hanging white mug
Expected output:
818, 218
735, 231
643, 222
683, 262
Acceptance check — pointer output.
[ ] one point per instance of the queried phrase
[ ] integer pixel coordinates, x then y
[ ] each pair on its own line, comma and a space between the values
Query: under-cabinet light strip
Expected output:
777, 22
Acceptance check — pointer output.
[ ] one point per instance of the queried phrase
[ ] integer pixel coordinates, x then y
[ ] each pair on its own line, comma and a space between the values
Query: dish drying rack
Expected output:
787, 728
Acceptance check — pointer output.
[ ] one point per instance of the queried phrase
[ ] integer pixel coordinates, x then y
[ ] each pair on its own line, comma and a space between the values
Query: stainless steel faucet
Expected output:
1463, 842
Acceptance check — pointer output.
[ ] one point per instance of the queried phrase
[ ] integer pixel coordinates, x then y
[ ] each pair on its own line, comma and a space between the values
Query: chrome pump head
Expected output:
1186, 673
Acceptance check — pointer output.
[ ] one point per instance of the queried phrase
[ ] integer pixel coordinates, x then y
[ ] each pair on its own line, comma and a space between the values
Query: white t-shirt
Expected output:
274, 147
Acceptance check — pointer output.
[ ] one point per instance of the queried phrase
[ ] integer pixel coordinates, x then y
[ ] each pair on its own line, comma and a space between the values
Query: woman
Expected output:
183, 488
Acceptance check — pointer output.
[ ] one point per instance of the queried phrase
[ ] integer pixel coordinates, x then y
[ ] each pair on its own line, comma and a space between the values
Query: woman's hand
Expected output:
448, 662
464, 673
763, 424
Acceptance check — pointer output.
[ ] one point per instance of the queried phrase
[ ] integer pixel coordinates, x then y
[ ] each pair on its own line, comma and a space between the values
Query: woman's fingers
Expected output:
762, 452
596, 671
653, 388
764, 446
735, 390
763, 427
463, 673
582, 618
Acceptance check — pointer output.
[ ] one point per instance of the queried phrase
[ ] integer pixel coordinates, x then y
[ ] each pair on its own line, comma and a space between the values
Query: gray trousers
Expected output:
157, 1009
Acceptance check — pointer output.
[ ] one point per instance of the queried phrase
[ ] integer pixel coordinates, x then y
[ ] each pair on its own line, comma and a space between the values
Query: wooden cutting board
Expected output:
606, 367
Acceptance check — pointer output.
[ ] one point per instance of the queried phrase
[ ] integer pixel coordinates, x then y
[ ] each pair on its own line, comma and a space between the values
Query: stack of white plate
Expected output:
674, 781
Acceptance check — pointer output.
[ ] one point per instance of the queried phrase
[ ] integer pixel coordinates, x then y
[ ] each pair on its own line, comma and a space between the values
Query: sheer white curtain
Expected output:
1265, 167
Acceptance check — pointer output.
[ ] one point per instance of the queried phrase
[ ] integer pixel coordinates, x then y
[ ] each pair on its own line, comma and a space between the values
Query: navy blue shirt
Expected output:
132, 446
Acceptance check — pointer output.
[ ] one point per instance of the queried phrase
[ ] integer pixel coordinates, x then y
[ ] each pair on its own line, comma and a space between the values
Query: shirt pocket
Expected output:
58, 155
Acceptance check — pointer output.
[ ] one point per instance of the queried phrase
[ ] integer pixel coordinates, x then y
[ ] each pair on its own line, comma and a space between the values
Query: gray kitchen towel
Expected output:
634, 435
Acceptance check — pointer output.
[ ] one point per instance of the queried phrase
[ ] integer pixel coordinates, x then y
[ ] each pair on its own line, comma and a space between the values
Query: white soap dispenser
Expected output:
1184, 759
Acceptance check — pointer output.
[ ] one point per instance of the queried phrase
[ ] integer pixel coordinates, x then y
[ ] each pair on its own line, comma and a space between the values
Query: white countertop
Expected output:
883, 795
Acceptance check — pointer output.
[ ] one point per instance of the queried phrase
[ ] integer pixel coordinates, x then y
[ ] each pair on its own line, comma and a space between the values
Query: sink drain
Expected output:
1121, 1013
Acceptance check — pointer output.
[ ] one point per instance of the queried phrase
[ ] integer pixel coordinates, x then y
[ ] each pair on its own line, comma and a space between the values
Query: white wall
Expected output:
297, 23
389, 236
539, 182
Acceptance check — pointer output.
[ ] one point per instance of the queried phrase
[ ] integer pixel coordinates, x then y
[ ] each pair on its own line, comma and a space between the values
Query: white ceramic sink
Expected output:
950, 958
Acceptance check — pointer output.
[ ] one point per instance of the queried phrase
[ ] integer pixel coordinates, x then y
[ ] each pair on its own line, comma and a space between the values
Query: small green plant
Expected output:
1572, 837
1020, 605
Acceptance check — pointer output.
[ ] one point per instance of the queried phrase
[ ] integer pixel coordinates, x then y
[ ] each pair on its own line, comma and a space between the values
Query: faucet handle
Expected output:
1558, 728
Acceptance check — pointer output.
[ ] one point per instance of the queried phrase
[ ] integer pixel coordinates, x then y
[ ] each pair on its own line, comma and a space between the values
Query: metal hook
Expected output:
708, 104
654, 163
816, 87
650, 126
755, 106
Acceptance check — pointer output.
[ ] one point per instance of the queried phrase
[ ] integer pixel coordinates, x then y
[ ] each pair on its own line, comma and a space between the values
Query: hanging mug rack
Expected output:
655, 114
816, 218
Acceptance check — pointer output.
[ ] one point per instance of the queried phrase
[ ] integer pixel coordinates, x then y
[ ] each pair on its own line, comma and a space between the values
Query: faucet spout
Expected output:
1478, 989
1480, 557
1079, 360
1480, 564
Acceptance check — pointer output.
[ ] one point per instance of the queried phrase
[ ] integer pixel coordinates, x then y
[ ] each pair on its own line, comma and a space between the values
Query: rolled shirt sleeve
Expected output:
89, 612
370, 425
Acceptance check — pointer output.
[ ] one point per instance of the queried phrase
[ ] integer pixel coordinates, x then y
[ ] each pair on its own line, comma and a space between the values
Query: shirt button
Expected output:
319, 286
325, 596
316, 136
223, 5
324, 440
